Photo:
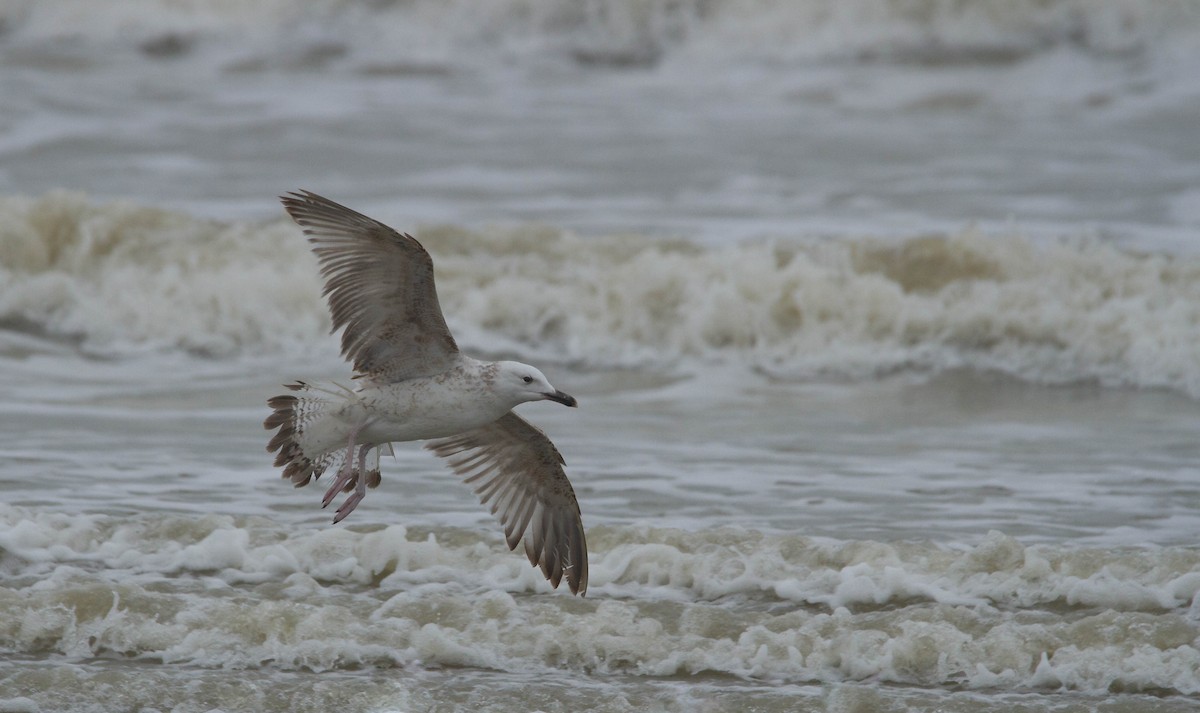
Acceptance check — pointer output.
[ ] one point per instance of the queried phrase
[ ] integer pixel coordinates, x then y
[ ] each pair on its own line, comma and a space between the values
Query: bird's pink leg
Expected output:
360, 488
345, 475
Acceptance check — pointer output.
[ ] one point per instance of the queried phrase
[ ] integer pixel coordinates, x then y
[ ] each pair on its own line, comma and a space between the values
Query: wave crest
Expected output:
215, 592
122, 277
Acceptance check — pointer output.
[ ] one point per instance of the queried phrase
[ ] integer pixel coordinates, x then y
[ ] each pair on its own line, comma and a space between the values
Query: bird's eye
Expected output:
527, 379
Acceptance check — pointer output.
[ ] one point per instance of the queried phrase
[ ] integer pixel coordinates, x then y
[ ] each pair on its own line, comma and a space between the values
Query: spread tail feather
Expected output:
303, 444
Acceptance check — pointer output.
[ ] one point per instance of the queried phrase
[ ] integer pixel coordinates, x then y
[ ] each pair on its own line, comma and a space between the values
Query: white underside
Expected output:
413, 410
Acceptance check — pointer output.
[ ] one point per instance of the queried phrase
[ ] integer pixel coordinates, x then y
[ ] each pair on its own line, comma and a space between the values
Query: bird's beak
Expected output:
564, 399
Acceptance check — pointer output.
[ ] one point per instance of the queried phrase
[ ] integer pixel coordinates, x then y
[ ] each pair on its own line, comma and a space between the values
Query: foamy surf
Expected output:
122, 278
218, 593
806, 483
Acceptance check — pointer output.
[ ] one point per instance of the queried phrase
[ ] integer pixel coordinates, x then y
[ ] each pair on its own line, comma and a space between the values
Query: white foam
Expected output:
215, 592
121, 277
128, 278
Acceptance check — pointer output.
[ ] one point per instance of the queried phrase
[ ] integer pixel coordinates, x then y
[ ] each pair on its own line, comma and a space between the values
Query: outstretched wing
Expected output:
379, 284
515, 468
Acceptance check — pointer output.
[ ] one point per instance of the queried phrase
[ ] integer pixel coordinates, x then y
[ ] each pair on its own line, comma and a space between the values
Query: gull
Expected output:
413, 384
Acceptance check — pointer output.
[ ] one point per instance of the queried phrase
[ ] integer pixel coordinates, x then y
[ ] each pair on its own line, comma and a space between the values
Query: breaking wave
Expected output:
122, 277
221, 592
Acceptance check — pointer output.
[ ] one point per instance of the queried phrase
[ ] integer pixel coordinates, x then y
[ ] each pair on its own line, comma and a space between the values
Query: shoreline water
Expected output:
881, 316
124, 279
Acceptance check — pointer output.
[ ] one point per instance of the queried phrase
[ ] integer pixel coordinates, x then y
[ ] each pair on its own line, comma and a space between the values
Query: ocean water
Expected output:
882, 317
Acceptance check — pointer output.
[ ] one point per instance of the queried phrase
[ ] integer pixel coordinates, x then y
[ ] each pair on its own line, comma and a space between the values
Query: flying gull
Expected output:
414, 384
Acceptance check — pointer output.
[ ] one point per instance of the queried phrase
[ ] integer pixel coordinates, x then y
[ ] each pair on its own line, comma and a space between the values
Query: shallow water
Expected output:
882, 323
941, 534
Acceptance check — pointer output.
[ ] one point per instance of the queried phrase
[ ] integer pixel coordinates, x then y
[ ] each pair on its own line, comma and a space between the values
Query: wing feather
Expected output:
518, 472
380, 289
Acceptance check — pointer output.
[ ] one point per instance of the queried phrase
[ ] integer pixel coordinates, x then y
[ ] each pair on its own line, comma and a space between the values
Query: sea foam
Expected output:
219, 592
122, 277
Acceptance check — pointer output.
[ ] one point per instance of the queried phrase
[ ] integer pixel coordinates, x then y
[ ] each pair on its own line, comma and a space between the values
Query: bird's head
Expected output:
525, 383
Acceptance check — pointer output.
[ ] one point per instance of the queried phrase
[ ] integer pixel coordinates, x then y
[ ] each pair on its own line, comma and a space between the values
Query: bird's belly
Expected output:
416, 415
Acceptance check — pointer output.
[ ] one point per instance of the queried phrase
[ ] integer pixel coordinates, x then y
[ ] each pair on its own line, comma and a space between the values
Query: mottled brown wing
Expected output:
379, 284
516, 470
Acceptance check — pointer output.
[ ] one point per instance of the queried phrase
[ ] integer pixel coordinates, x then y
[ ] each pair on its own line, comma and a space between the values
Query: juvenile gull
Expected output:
413, 384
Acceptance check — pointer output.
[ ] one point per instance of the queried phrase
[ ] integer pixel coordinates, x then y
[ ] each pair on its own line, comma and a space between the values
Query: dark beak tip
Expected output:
564, 399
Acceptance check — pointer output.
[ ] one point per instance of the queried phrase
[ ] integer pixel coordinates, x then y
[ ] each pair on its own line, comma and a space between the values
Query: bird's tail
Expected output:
308, 440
